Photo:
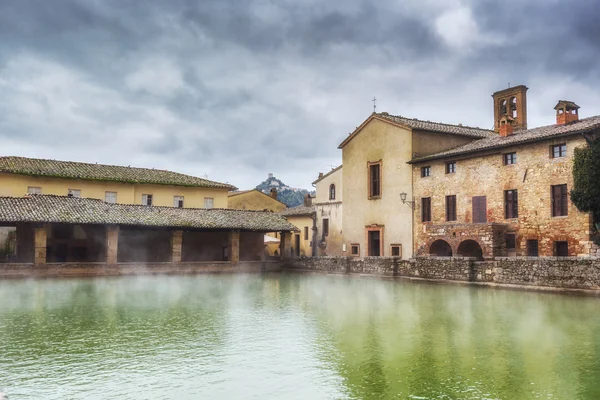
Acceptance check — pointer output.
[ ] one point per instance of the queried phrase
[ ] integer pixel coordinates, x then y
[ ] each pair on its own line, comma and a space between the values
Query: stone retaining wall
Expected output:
100, 269
565, 272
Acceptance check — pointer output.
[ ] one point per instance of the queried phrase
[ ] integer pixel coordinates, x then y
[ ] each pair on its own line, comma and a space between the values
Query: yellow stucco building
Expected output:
378, 181
304, 218
114, 184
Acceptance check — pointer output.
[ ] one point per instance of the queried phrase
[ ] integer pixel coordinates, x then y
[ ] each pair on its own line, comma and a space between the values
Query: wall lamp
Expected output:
403, 195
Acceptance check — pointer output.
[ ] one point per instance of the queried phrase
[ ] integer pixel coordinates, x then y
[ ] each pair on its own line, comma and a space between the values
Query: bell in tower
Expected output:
510, 106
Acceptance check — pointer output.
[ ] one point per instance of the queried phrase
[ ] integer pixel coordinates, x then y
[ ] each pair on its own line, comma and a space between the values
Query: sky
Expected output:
235, 89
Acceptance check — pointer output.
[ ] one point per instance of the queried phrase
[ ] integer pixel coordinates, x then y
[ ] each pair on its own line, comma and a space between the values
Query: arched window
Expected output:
503, 105
513, 107
332, 192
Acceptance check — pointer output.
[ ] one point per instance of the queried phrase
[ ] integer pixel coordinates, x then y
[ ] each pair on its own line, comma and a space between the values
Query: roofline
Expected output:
255, 190
500, 146
369, 119
327, 174
510, 89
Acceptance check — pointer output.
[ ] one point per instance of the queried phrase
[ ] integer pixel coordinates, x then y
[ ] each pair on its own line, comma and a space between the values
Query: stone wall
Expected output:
485, 174
564, 272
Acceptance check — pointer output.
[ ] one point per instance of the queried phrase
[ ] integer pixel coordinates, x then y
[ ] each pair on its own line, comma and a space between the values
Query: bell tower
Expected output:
510, 107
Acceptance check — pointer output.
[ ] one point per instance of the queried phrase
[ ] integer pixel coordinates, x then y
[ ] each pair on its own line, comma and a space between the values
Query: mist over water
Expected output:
292, 337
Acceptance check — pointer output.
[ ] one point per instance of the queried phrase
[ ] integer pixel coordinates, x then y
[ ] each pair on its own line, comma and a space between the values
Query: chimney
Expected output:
274, 193
566, 112
505, 129
307, 200
511, 103
320, 175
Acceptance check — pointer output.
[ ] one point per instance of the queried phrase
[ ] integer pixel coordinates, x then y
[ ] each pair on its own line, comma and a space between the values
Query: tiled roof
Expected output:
461, 130
73, 210
100, 172
298, 211
327, 174
520, 137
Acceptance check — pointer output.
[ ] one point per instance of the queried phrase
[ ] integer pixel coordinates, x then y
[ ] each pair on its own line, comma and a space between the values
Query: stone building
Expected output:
377, 179
508, 194
111, 183
328, 212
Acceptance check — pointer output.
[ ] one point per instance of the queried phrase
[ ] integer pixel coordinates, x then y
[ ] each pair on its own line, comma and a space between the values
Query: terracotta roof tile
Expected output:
100, 172
462, 130
298, 211
520, 137
73, 210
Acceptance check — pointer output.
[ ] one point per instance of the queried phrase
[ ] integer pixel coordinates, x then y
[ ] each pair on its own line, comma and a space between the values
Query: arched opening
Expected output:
332, 192
440, 248
503, 107
470, 248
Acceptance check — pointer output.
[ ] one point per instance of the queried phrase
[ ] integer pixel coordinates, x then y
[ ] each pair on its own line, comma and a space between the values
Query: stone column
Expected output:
176, 246
285, 245
112, 244
234, 247
40, 235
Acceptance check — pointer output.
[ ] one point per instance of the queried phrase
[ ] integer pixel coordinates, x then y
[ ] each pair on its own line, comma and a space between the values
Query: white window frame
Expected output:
34, 190
209, 202
146, 197
110, 197
177, 200
74, 193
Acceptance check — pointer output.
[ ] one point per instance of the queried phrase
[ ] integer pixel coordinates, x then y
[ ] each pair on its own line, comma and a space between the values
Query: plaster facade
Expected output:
15, 185
254, 200
329, 209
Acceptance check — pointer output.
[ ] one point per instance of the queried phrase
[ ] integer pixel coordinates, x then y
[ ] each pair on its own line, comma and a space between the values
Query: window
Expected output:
74, 193
451, 208
532, 248
559, 150
306, 233
451, 167
425, 171
355, 250
374, 180
178, 201
34, 190
325, 227
503, 107
209, 202
426, 209
561, 249
559, 201
110, 197
479, 209
511, 204
511, 241
510, 158
147, 199
374, 243
332, 192
396, 250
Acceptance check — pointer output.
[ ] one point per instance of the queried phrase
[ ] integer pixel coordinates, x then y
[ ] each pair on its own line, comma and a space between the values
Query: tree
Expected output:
586, 175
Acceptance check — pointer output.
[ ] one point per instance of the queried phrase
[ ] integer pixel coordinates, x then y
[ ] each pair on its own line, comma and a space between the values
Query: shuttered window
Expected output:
451, 208
511, 204
426, 209
479, 209
559, 201
532, 248
374, 180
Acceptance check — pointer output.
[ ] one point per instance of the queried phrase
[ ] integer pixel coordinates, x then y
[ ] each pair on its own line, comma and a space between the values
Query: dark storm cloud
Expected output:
236, 89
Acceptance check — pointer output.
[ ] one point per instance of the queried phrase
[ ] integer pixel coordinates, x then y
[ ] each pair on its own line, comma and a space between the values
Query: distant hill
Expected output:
291, 197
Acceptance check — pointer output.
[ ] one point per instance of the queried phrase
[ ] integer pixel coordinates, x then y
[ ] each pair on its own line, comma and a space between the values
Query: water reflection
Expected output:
292, 336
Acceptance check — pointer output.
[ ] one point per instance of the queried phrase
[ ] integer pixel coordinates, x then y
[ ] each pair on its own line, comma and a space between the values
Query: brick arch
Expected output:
440, 248
470, 248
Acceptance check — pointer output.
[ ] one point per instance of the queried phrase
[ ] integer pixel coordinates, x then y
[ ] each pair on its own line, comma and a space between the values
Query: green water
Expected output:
292, 337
